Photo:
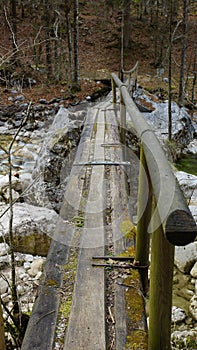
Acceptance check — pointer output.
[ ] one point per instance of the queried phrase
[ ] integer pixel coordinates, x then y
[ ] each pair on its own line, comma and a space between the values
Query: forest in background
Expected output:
66, 43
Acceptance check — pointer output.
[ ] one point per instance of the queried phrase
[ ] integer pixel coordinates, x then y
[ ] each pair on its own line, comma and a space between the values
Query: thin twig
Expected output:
11, 30
48, 313
110, 313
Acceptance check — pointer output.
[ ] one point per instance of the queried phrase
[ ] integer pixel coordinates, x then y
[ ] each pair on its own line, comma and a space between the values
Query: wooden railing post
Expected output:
143, 219
161, 281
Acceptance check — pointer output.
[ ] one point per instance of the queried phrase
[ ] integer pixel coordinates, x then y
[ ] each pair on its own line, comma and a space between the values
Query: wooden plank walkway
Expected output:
88, 308
98, 191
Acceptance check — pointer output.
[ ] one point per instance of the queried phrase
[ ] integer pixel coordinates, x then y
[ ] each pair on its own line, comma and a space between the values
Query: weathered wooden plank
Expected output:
117, 182
73, 192
126, 325
86, 328
41, 328
119, 213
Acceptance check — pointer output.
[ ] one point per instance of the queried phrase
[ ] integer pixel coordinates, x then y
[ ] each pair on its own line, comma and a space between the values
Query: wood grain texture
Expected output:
86, 328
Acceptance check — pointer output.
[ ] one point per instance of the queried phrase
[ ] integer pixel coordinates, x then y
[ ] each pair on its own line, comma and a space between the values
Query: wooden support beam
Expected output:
144, 216
161, 280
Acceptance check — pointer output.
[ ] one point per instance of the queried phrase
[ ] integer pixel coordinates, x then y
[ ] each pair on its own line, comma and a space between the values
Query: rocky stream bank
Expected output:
42, 157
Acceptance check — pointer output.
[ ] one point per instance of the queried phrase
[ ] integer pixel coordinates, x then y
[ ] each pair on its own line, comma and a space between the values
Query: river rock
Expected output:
36, 267
4, 249
20, 182
3, 285
193, 271
29, 258
4, 182
26, 265
193, 307
4, 261
182, 337
32, 227
178, 315
192, 147
185, 257
5, 195
188, 184
24, 153
185, 293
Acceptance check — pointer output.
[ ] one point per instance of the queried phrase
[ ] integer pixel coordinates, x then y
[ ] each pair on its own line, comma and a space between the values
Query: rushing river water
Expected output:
24, 153
188, 163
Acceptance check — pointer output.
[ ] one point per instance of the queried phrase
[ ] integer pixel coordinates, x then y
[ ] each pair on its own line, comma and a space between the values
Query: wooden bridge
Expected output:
92, 294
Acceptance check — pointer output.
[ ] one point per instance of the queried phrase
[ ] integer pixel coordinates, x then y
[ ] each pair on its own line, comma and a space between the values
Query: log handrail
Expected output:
134, 71
178, 223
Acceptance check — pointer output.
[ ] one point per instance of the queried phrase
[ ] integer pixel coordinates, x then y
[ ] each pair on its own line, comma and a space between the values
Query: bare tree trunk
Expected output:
57, 59
14, 25
157, 35
170, 73
2, 333
76, 45
184, 53
126, 24
69, 42
195, 74
48, 38
125, 32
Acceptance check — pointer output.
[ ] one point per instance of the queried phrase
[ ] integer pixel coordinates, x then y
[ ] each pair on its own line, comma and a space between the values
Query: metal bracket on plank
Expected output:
102, 162
114, 144
133, 264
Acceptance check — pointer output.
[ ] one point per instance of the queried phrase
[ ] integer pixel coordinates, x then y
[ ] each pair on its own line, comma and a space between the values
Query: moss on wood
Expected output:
128, 229
137, 336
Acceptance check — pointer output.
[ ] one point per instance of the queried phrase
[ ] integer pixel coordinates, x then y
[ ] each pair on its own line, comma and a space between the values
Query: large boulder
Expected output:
55, 159
185, 257
32, 228
188, 184
183, 129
